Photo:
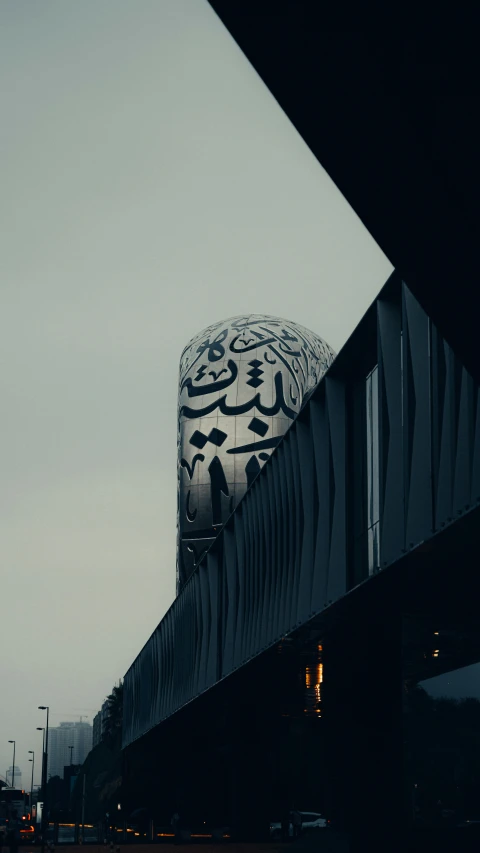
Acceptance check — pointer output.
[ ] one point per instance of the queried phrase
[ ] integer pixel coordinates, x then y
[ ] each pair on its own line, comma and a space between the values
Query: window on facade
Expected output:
373, 472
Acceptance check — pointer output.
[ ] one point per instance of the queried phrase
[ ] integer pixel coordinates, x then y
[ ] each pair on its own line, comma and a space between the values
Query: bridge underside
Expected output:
390, 114
260, 741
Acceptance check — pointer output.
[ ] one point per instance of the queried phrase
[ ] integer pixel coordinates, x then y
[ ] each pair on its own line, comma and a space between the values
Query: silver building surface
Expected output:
242, 381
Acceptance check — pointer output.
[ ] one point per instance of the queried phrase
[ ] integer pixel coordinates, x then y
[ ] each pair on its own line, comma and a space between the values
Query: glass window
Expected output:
441, 728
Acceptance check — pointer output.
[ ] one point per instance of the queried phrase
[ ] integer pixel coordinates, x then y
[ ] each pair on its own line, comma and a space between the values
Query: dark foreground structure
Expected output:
301, 664
285, 670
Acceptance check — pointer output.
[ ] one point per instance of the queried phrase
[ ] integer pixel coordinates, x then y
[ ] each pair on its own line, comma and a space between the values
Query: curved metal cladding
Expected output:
242, 382
299, 540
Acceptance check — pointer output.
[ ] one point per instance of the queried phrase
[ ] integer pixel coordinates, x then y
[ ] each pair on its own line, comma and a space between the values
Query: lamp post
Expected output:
13, 770
32, 759
45, 764
42, 783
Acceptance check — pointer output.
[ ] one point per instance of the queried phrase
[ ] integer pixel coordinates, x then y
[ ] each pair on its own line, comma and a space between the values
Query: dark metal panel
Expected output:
443, 428
145, 686
298, 521
321, 446
154, 676
271, 553
337, 567
252, 571
230, 576
167, 687
475, 490
212, 573
240, 551
357, 474
266, 509
259, 523
170, 655
248, 577
189, 618
206, 627
306, 464
464, 455
176, 693
245, 580
263, 526
291, 526
252, 575
417, 427
392, 519
284, 539
277, 550
199, 624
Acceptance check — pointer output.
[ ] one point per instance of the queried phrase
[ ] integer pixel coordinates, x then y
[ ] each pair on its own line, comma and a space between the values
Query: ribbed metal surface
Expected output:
291, 547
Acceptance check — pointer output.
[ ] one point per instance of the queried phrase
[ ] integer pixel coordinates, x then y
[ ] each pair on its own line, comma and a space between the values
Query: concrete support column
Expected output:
362, 710
250, 788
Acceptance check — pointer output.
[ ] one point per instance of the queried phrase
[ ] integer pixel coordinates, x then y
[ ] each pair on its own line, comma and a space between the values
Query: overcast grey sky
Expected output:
150, 185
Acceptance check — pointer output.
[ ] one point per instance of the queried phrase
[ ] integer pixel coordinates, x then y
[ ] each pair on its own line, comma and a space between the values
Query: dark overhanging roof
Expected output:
393, 121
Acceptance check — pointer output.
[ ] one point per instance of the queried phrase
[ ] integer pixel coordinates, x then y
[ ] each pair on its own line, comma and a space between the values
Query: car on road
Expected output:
313, 820
27, 833
310, 820
276, 829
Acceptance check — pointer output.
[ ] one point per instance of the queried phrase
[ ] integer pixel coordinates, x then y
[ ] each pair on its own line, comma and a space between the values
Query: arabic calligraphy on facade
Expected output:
242, 381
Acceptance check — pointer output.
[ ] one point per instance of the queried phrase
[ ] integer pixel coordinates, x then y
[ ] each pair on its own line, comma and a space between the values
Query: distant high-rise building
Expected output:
99, 723
61, 738
16, 779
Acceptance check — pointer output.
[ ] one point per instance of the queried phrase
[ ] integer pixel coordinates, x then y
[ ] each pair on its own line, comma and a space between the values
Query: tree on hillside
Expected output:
102, 767
113, 723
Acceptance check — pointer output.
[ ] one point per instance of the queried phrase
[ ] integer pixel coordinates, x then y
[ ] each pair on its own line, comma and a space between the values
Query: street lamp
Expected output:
42, 784
32, 753
42, 729
45, 766
13, 771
